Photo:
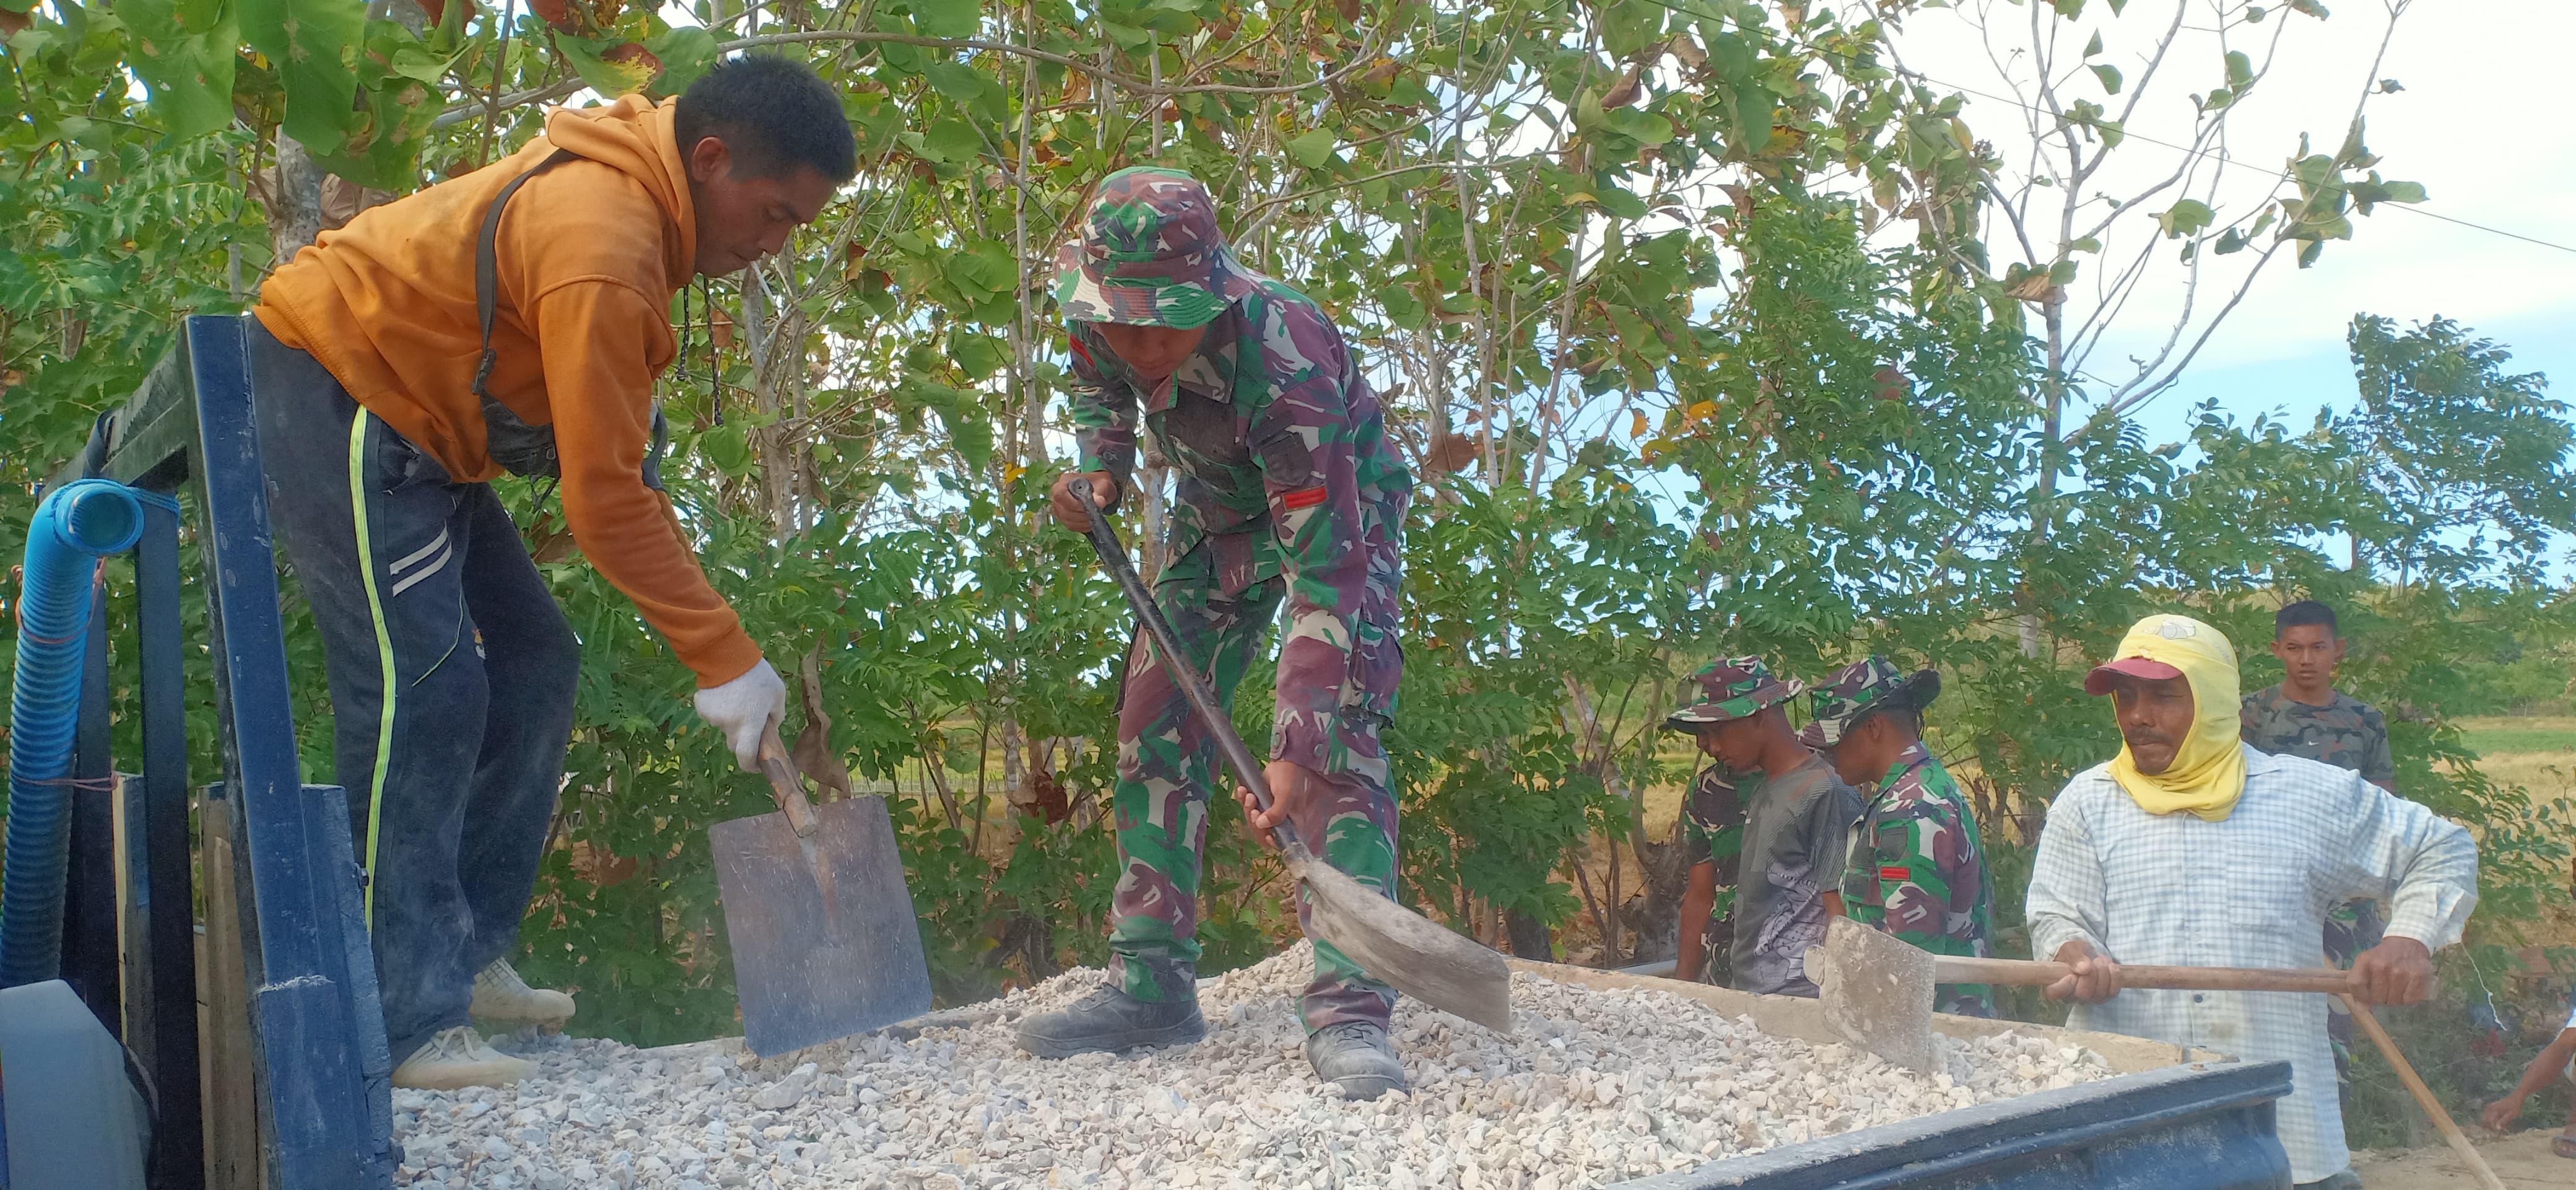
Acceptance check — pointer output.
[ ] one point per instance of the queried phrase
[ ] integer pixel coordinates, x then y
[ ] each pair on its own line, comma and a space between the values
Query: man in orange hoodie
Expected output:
511, 319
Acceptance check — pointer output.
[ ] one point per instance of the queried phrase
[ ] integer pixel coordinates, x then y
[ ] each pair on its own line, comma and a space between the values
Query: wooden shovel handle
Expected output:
2023, 972
2423, 1094
785, 783
1212, 715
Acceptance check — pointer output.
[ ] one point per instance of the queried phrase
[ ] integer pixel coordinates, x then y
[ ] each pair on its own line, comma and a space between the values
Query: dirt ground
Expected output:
2523, 1161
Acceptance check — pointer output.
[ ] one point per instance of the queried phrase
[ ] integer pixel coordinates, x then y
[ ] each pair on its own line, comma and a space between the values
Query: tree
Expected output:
2060, 189
2470, 461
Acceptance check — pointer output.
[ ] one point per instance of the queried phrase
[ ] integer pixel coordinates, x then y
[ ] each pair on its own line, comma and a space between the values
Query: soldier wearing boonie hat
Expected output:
1150, 255
1287, 488
1860, 689
1917, 869
1796, 814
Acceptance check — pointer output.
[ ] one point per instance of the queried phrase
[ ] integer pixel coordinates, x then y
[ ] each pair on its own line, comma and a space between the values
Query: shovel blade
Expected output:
1431, 963
810, 964
1876, 993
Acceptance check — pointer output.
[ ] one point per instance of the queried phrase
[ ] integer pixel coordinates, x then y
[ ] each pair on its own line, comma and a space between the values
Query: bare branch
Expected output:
2121, 406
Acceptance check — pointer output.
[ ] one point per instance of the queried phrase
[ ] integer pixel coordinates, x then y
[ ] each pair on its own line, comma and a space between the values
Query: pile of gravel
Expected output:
1594, 1087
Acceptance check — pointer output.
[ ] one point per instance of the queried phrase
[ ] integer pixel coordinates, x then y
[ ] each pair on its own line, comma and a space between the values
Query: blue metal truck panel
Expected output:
2201, 1126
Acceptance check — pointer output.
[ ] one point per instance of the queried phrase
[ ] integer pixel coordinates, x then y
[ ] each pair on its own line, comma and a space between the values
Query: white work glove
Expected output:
745, 708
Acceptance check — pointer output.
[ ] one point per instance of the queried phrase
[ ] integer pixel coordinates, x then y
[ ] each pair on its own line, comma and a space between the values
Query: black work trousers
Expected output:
452, 676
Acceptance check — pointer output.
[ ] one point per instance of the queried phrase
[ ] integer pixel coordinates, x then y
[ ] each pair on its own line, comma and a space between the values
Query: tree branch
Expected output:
1143, 87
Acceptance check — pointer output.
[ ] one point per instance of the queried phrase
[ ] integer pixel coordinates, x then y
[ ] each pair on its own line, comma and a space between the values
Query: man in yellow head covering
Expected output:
2191, 849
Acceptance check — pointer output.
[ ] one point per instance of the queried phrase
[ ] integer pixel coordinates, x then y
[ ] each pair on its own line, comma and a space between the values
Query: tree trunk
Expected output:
1529, 936
1033, 400
292, 196
232, 245
1015, 774
2043, 495
1666, 874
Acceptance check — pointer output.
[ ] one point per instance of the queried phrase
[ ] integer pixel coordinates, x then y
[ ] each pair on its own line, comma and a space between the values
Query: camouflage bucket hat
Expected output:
1855, 690
1150, 255
1731, 688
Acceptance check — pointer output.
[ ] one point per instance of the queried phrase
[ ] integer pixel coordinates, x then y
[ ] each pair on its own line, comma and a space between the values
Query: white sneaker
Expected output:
459, 1057
500, 995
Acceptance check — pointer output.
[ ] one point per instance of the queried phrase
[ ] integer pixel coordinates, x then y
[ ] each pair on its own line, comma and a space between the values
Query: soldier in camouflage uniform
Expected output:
1287, 489
1917, 869
1713, 834
2306, 716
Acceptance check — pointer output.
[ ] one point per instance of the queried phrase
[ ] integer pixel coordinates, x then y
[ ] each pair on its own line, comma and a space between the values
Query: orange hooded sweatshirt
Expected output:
590, 253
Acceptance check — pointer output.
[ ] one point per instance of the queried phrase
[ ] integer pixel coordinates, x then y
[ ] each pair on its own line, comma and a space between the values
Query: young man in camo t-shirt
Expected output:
1797, 819
2306, 716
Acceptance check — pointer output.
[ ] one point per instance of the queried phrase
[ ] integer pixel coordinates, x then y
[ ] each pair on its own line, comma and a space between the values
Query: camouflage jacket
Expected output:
1918, 872
1713, 834
2347, 733
1284, 470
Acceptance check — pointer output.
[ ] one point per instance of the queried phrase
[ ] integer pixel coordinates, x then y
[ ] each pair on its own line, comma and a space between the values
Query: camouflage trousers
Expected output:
1161, 800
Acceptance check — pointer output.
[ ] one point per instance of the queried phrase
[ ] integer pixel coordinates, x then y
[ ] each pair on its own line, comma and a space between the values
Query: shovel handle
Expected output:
1212, 716
2024, 972
785, 783
2424, 1097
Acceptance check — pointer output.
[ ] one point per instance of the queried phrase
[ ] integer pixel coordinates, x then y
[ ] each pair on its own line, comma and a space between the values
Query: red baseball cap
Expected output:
2099, 681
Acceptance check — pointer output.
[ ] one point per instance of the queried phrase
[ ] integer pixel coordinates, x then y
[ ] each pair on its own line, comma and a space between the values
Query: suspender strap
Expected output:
487, 265
521, 448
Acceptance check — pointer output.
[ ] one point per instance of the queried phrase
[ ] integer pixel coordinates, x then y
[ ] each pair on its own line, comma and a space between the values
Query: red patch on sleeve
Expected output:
1893, 872
1079, 353
1303, 498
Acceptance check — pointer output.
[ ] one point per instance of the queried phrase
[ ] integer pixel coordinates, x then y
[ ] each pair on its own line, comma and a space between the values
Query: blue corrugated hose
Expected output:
77, 524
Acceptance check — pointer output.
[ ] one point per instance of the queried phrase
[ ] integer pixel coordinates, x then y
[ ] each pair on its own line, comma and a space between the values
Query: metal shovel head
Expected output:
808, 973
1876, 993
1440, 967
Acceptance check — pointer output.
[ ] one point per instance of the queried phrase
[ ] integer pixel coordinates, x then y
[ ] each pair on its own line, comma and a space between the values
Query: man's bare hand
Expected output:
2095, 979
2501, 1115
1292, 785
2397, 971
1069, 511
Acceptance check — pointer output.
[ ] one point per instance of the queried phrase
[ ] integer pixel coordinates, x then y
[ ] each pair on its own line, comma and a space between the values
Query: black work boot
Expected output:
1358, 1056
1110, 1020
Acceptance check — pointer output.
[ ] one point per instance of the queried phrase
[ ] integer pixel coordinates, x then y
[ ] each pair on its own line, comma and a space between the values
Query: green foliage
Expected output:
2474, 460
1616, 270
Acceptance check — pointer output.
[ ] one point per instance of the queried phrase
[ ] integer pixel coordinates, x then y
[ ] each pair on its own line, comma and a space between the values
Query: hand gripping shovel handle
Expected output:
1113, 558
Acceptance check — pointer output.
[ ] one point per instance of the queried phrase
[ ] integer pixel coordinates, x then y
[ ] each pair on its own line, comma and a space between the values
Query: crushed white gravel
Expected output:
1595, 1087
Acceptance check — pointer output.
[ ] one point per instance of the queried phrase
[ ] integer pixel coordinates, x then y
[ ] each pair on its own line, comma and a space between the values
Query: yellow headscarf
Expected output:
2208, 772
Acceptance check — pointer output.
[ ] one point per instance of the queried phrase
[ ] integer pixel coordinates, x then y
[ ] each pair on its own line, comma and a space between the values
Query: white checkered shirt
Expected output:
2250, 890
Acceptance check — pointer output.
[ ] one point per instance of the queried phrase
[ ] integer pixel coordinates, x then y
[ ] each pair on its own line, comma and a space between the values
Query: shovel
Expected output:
1877, 991
825, 943
1877, 994
1390, 942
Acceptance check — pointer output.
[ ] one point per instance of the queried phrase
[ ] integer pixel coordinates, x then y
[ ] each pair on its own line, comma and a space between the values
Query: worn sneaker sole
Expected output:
450, 1076
497, 1026
1365, 1087
550, 1024
1183, 1033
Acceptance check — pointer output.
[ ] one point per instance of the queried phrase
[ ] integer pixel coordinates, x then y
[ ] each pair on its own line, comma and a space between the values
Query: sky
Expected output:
2480, 124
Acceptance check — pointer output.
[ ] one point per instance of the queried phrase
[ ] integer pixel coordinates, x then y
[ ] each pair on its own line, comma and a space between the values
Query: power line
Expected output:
1671, 6
2204, 153
2511, 235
